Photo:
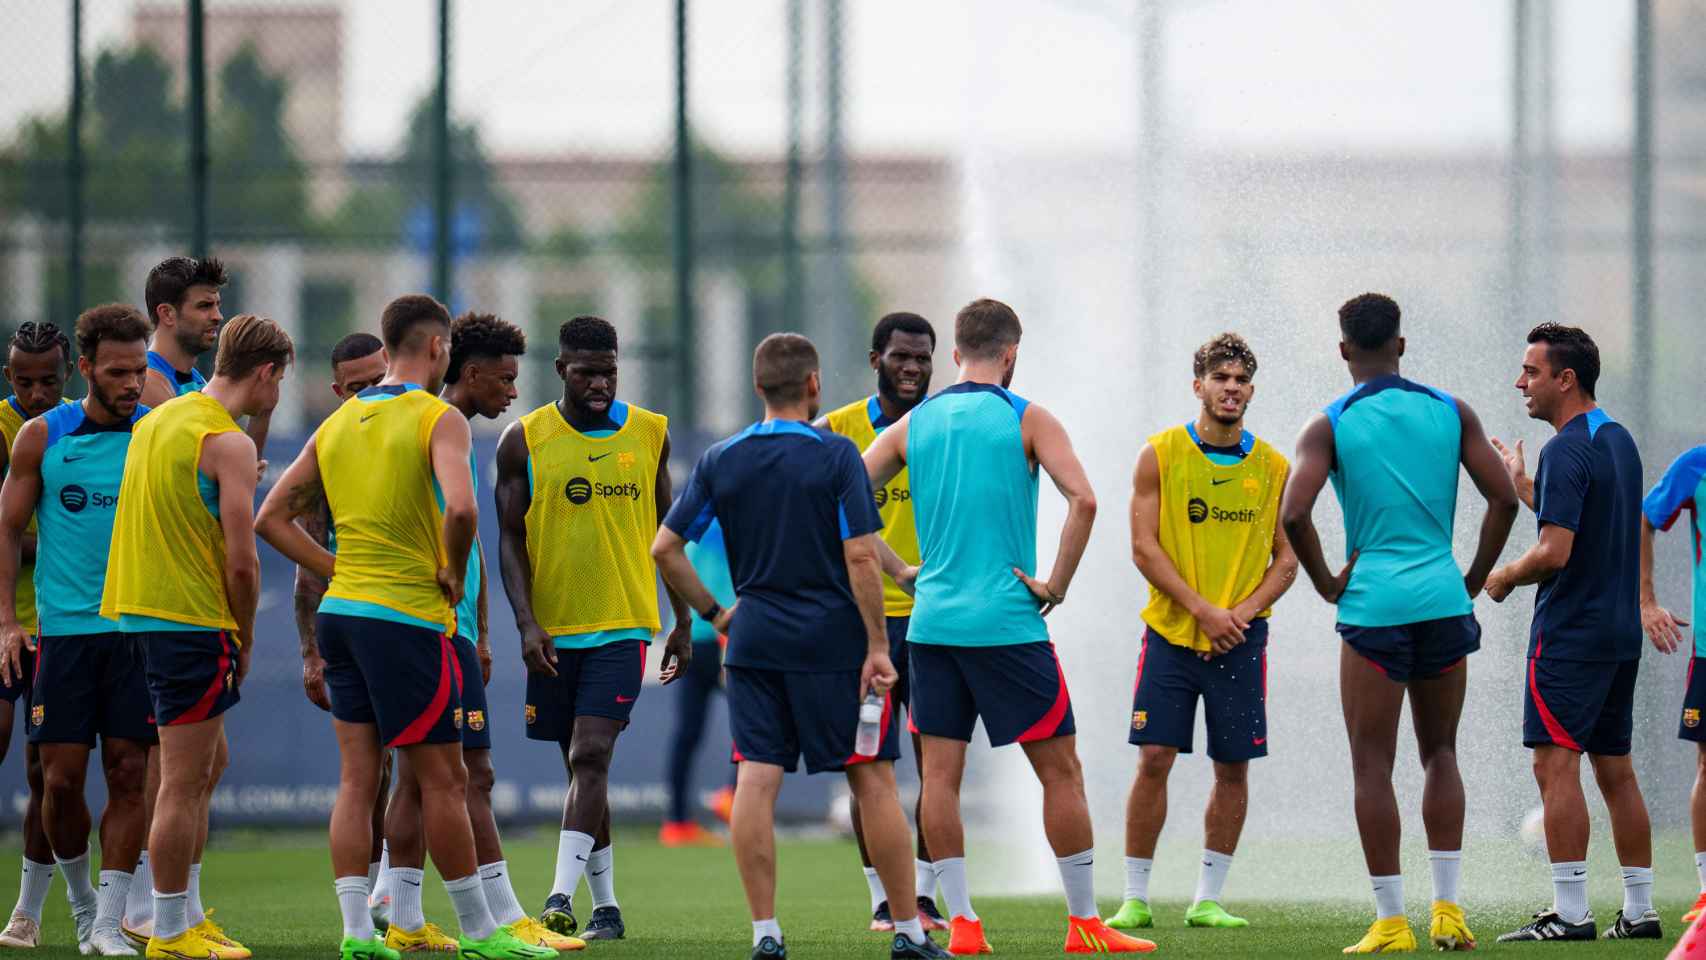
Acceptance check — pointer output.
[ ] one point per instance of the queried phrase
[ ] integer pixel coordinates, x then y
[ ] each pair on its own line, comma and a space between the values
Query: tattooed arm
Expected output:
309, 589
297, 492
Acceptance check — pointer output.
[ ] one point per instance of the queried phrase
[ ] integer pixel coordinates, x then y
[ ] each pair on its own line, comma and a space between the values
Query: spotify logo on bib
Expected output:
579, 490
73, 498
1197, 509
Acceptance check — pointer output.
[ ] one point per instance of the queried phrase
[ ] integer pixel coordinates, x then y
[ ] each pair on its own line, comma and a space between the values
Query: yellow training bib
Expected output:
858, 422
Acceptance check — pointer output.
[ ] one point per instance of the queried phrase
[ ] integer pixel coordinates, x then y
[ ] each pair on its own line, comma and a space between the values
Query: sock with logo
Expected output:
372, 875
170, 918
381, 888
192, 904
78, 889
352, 903
1637, 892
1570, 890
573, 849
32, 889
406, 911
468, 898
139, 910
601, 877
110, 899
951, 874
1699, 868
1078, 876
1388, 896
500, 895
912, 930
1448, 873
1211, 880
924, 878
1137, 870
879, 896
766, 928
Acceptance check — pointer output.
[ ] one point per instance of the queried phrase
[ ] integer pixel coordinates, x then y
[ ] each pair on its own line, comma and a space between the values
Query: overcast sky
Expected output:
547, 75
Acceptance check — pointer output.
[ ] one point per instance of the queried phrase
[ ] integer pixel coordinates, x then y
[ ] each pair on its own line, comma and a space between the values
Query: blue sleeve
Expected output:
1566, 468
693, 510
1675, 490
854, 498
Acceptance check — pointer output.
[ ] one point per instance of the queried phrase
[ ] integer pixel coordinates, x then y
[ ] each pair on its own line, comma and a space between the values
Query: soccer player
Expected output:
806, 637
64, 472
480, 382
978, 642
1205, 534
183, 578
38, 362
1406, 617
1682, 487
1585, 640
392, 465
901, 348
695, 686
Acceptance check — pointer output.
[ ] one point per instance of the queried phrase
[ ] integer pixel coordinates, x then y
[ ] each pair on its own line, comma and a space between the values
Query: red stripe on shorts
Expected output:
422, 725
1050, 723
204, 706
1554, 729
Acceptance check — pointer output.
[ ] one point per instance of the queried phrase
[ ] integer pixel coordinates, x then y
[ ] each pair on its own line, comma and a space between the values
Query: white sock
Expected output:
911, 929
78, 888
1388, 896
573, 849
1078, 876
1637, 892
406, 898
1700, 868
500, 895
468, 897
1570, 890
382, 887
32, 889
139, 909
766, 928
601, 877
171, 915
1448, 873
110, 899
372, 876
1137, 871
924, 878
352, 903
951, 874
879, 896
1212, 878
192, 906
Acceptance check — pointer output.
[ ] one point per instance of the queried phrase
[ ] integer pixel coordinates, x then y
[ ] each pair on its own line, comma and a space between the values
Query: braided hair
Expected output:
33, 337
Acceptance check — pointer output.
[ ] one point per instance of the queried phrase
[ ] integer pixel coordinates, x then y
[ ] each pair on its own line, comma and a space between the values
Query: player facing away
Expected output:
901, 347
183, 578
979, 645
582, 483
696, 684
1392, 447
480, 382
1683, 487
392, 466
38, 362
1584, 644
1205, 534
806, 639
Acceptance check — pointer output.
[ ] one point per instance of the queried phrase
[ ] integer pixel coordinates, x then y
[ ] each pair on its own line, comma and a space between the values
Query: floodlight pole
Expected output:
1641, 227
198, 128
443, 282
74, 162
687, 379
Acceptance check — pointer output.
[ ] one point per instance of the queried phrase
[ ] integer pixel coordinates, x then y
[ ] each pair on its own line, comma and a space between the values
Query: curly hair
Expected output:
482, 336
902, 322
33, 337
1223, 348
1369, 320
118, 322
587, 333
1570, 348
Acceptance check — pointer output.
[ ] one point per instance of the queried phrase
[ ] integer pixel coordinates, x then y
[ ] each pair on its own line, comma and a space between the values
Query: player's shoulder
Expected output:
842, 419
1690, 463
1264, 452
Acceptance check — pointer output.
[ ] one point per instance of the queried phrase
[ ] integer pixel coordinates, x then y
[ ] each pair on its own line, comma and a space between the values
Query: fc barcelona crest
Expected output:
456, 718
476, 720
38, 713
530, 713
1690, 717
1139, 719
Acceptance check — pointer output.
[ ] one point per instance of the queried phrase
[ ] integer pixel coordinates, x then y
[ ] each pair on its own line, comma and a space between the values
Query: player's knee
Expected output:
590, 758
62, 783
1231, 774
1440, 756
481, 776
126, 777
1156, 762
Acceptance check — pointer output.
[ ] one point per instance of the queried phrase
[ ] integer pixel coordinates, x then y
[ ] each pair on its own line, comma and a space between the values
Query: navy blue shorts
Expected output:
192, 674
476, 717
1581, 706
403, 678
902, 692
1233, 688
91, 686
776, 716
1693, 702
594, 682
19, 688
1018, 690
1415, 651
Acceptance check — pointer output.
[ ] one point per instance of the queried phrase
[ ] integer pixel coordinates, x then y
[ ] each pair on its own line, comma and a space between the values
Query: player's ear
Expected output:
957, 361
876, 359
1344, 351
1400, 346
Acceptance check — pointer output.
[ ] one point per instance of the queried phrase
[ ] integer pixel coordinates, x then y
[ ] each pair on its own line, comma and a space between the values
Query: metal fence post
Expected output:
1641, 226
198, 128
687, 384
74, 162
793, 283
442, 280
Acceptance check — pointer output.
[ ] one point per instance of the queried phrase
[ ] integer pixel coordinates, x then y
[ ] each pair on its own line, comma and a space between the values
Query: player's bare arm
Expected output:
1048, 446
1297, 507
18, 498
513, 497
1548, 556
1517, 468
483, 645
669, 552
298, 493
1276, 580
1225, 629
310, 588
156, 389
886, 456
1663, 628
1486, 468
678, 647
229, 458
864, 574
448, 449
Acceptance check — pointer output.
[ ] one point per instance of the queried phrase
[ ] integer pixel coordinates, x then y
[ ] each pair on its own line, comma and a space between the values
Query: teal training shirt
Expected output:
1396, 448
974, 500
82, 468
468, 611
1683, 487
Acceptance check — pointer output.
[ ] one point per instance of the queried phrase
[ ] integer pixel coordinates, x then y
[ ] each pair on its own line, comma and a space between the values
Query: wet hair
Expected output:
1223, 348
984, 327
354, 347
171, 279
1369, 321
781, 365
903, 322
33, 337
586, 333
1570, 348
117, 322
402, 315
247, 343
482, 336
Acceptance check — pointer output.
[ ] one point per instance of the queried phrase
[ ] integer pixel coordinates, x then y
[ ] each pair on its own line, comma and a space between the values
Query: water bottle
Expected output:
870, 735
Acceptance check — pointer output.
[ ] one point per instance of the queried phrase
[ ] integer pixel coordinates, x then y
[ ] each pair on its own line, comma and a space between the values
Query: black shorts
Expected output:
91, 686
1415, 651
1018, 690
1588, 707
476, 717
777, 716
1693, 702
1233, 688
404, 678
192, 674
599, 681
19, 688
901, 658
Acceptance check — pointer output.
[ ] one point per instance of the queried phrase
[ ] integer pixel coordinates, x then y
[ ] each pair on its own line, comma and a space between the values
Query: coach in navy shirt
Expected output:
1585, 643
806, 634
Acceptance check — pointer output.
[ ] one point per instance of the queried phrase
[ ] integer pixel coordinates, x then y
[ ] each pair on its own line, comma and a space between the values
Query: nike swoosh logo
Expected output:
370, 416
1258, 741
411, 883
1207, 864
624, 699
600, 873
580, 858
1216, 483
1579, 873
71, 459
592, 459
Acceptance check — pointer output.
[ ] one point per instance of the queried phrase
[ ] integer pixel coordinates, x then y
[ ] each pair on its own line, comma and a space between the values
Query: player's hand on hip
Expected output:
677, 653
538, 652
483, 650
1045, 596
260, 470
1472, 587
314, 682
1333, 589
1663, 627
1499, 585
907, 581
243, 653
12, 645
450, 584
725, 618
878, 674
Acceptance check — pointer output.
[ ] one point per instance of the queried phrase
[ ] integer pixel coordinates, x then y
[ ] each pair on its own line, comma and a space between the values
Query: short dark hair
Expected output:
1570, 348
354, 347
586, 333
781, 365
118, 322
407, 312
903, 322
482, 335
33, 337
1223, 348
985, 327
248, 342
1369, 320
171, 279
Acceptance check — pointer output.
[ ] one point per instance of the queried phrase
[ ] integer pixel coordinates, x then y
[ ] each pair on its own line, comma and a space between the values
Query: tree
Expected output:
259, 184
